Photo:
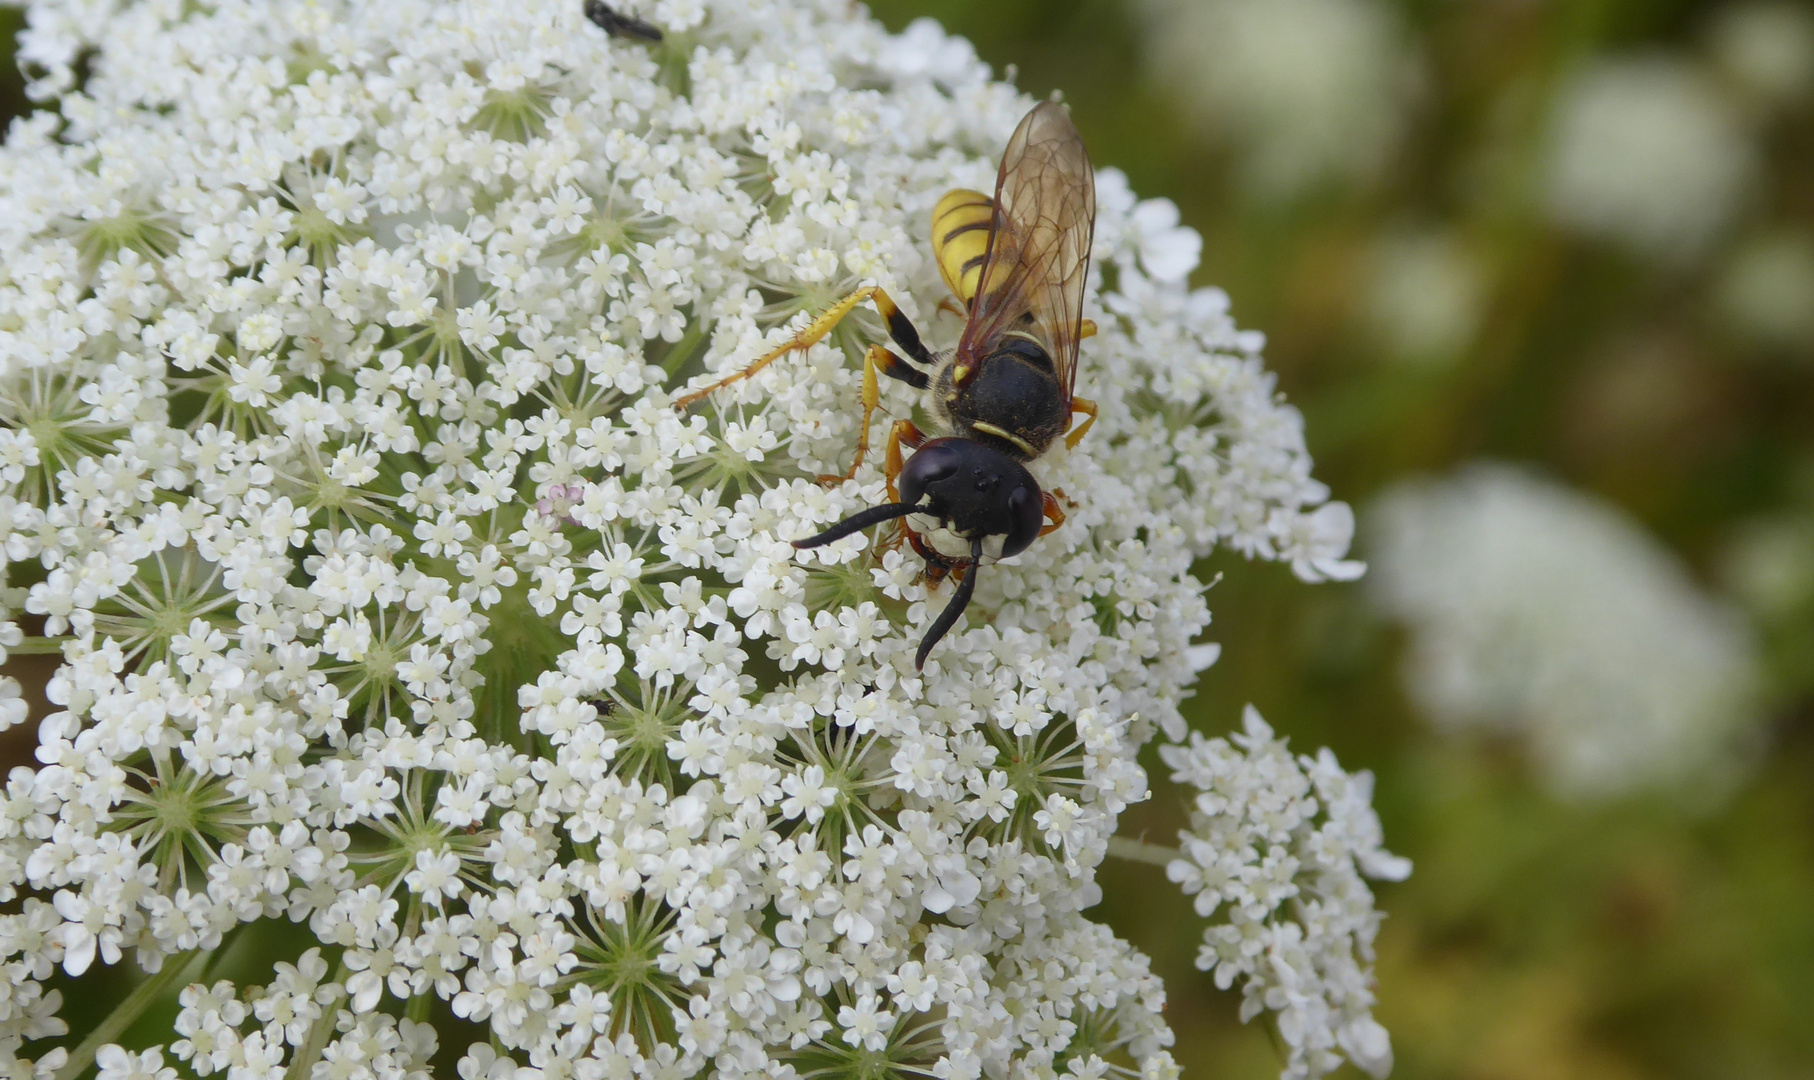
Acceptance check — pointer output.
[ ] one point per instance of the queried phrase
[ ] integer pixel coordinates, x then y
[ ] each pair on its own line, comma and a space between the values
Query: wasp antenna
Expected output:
857, 522
948, 617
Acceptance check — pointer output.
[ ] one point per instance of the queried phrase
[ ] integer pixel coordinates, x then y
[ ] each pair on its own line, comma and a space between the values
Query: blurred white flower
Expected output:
1646, 152
1769, 566
1766, 47
1306, 91
925, 51
1765, 293
338, 351
1542, 612
1425, 297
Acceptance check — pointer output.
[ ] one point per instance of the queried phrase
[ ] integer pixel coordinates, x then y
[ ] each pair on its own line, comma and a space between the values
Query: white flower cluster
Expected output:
1647, 152
338, 347
1766, 48
1307, 90
1768, 566
1280, 847
1537, 610
1426, 298
1762, 293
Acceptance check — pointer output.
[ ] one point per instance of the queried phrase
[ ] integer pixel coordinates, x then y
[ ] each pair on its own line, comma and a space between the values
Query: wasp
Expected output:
1003, 397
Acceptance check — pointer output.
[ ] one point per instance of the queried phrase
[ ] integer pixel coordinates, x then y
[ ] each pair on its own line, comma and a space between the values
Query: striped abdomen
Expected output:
960, 240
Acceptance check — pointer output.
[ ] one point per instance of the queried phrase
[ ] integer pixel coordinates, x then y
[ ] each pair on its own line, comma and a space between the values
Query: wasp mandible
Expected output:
1017, 263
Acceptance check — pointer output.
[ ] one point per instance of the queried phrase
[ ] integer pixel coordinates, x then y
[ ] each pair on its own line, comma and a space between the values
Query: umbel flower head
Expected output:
407, 626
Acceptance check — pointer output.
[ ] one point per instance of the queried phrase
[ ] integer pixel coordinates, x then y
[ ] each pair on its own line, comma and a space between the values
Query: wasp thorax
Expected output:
977, 492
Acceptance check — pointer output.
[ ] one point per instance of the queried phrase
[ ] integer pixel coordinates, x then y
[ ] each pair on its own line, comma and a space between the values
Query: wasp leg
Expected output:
1053, 510
899, 328
1086, 329
815, 332
1088, 409
904, 432
950, 304
877, 359
902, 330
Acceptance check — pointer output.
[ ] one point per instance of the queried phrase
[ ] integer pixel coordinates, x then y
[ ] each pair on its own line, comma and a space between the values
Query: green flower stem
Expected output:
303, 1061
1140, 851
682, 350
123, 1014
40, 646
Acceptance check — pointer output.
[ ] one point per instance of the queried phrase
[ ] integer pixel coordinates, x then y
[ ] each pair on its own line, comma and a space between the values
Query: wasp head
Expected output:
977, 494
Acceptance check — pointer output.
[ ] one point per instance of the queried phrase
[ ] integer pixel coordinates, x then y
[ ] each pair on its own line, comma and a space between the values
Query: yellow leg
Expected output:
1053, 511
814, 333
903, 433
1088, 409
875, 360
1086, 329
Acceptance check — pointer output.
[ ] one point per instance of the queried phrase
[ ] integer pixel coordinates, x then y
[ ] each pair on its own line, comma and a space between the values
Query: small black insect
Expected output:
617, 25
604, 706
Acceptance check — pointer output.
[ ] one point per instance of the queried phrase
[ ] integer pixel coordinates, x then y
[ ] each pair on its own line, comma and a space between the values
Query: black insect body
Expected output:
618, 25
1013, 402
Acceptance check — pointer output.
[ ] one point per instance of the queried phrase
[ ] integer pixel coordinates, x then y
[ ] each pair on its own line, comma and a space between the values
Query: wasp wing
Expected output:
1039, 245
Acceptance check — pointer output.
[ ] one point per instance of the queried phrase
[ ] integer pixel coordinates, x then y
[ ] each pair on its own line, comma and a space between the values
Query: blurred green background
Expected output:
1379, 190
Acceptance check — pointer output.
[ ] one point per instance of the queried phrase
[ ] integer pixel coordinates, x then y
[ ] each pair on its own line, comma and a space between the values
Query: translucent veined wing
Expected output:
1039, 245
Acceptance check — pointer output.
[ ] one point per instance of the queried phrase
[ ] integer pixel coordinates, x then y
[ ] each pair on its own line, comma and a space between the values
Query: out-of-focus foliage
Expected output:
1574, 236
1577, 235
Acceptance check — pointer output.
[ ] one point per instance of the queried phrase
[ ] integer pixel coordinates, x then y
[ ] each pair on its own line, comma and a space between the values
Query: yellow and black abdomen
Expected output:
960, 240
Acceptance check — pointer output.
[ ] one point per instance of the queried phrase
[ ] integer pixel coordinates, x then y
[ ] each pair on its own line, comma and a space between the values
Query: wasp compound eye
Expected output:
1026, 507
930, 468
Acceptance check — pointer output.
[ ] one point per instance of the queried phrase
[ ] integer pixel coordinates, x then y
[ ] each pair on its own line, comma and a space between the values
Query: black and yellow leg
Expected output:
902, 330
899, 328
1088, 409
